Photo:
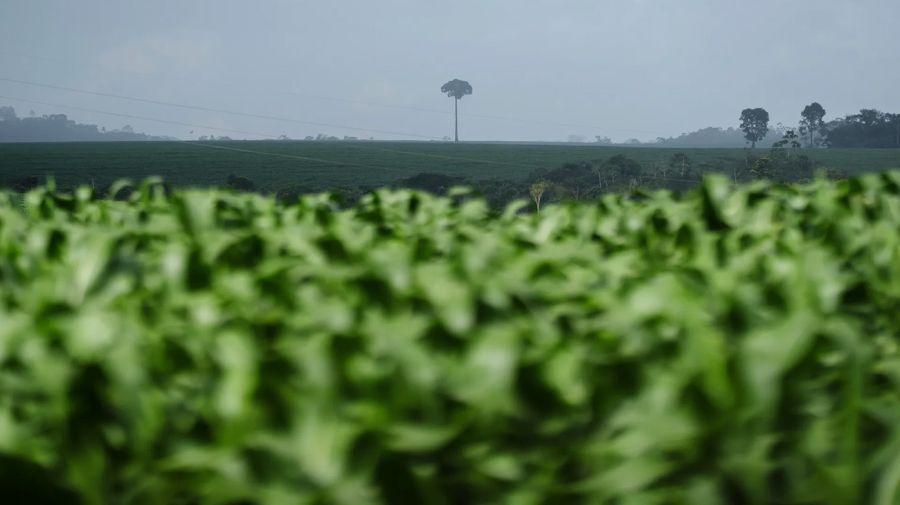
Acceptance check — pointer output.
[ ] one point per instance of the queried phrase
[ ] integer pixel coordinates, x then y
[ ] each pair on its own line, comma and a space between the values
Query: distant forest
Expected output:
870, 128
713, 137
59, 128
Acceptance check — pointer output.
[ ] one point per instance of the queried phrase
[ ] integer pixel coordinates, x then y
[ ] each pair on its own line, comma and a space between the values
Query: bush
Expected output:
292, 192
240, 183
434, 183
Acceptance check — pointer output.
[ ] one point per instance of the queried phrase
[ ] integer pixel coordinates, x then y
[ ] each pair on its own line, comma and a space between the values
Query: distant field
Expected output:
320, 165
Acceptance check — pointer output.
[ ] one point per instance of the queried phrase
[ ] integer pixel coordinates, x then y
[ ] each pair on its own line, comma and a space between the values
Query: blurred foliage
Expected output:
723, 346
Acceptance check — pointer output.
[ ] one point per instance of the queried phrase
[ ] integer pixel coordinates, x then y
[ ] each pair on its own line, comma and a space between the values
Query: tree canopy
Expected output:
812, 122
457, 88
755, 124
870, 128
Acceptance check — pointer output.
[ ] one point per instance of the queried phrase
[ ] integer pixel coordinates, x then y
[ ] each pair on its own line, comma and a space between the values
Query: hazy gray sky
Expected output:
626, 68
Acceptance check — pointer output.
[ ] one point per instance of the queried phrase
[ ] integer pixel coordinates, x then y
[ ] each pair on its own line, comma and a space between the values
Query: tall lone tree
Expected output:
755, 124
811, 121
456, 89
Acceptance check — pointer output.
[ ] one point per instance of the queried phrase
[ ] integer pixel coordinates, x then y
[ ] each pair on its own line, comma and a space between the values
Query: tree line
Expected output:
59, 128
870, 128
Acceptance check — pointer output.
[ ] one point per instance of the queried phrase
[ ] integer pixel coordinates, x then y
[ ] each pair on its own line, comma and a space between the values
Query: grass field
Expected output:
321, 165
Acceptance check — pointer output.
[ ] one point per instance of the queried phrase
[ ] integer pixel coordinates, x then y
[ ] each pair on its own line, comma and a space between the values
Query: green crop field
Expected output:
719, 346
322, 165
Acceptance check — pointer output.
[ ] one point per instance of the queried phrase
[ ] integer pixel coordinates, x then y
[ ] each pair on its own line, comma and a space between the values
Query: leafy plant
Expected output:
201, 346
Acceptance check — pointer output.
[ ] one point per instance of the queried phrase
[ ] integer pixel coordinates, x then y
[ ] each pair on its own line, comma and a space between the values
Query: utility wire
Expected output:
244, 132
142, 118
335, 99
313, 123
264, 136
210, 109
482, 116
291, 156
370, 104
280, 155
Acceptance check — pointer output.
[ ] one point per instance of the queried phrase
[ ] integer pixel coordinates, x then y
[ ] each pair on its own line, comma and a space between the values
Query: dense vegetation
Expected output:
59, 128
712, 137
869, 129
731, 346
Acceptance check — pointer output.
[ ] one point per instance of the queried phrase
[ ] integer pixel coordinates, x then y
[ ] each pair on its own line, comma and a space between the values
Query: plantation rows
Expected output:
275, 166
726, 346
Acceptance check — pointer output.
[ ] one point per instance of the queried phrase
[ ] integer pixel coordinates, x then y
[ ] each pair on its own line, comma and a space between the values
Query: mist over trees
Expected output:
715, 137
870, 128
59, 128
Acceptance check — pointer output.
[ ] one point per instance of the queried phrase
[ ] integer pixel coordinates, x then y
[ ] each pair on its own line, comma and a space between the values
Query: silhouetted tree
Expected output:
811, 121
755, 124
456, 89
789, 140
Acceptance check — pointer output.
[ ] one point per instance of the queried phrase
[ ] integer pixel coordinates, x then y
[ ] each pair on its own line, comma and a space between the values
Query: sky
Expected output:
540, 69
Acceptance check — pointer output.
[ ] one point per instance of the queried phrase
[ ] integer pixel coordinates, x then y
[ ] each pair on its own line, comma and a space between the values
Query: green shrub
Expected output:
238, 183
723, 346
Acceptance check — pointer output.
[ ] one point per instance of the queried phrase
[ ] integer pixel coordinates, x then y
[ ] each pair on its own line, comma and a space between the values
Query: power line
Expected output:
271, 136
264, 136
142, 118
210, 109
328, 125
297, 157
335, 99
370, 104
482, 116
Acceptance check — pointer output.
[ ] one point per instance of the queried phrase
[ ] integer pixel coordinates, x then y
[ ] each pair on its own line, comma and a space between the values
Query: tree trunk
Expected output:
456, 119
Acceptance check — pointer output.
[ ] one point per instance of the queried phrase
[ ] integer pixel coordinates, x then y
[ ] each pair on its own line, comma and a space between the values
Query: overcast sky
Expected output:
541, 69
